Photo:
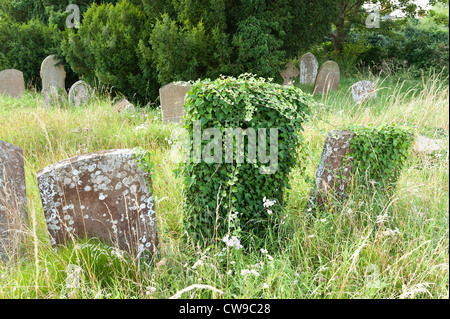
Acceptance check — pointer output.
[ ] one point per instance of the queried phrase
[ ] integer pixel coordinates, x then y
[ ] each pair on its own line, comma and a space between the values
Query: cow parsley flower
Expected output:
232, 242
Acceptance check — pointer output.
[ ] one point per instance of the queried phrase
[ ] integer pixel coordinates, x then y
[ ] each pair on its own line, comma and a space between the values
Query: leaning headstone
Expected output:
12, 83
427, 145
328, 77
79, 93
103, 195
172, 98
13, 198
334, 170
52, 71
308, 68
289, 74
363, 91
123, 105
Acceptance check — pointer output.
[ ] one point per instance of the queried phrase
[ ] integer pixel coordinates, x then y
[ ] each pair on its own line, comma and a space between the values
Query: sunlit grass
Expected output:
375, 245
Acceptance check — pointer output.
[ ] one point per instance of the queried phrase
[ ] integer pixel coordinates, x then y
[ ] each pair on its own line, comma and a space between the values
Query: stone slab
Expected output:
333, 174
327, 78
13, 197
363, 91
12, 83
172, 99
80, 93
103, 195
308, 68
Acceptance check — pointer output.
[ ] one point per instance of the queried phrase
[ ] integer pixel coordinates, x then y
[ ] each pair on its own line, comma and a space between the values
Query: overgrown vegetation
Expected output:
234, 175
379, 152
380, 246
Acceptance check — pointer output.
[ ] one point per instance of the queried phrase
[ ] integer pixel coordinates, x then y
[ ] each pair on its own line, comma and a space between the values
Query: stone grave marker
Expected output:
327, 78
13, 198
12, 83
123, 105
51, 71
172, 99
53, 94
289, 74
333, 173
426, 145
103, 195
363, 91
308, 68
79, 93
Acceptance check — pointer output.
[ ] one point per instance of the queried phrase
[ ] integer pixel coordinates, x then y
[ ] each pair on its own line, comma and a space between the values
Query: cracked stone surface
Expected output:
363, 91
13, 197
333, 175
172, 97
103, 195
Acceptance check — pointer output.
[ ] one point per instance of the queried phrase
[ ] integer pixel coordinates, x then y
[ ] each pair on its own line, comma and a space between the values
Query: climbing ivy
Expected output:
215, 190
379, 152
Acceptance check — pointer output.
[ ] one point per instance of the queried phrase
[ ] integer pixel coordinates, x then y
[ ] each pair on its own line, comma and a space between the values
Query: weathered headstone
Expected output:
289, 74
53, 94
308, 68
79, 93
334, 170
103, 195
52, 71
13, 198
123, 105
328, 77
427, 145
12, 83
363, 91
172, 98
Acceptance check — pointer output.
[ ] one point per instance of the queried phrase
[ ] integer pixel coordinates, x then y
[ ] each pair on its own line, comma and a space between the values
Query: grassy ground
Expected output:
377, 245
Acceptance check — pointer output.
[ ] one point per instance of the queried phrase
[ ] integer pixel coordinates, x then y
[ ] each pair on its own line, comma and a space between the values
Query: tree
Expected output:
106, 48
351, 12
205, 38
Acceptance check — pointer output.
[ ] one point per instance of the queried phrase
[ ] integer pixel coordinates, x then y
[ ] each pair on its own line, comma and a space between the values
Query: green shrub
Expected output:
23, 46
380, 152
216, 189
106, 48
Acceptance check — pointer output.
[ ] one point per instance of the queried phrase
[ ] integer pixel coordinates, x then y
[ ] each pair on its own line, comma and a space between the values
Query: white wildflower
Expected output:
265, 286
382, 218
268, 203
197, 263
232, 242
264, 251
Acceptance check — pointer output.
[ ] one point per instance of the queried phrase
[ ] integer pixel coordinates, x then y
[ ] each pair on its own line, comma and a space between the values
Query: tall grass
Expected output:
376, 244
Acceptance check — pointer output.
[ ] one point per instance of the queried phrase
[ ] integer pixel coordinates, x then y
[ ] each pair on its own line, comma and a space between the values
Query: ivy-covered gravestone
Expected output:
244, 139
374, 154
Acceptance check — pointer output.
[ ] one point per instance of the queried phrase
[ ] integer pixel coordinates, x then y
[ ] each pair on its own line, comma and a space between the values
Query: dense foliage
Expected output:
221, 184
24, 45
105, 47
379, 152
137, 46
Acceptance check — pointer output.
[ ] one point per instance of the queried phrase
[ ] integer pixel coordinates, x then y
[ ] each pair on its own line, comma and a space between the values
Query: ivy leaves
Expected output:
251, 104
379, 152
